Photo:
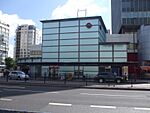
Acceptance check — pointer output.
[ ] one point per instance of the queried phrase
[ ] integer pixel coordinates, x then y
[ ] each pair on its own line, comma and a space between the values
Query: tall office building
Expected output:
4, 40
129, 15
26, 36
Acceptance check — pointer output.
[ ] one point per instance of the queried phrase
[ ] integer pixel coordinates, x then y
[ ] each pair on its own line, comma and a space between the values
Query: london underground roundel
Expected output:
88, 25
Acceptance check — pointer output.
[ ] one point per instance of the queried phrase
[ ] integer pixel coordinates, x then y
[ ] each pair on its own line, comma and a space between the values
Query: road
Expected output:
73, 100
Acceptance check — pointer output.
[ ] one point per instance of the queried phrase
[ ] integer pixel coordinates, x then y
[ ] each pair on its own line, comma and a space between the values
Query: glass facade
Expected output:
73, 40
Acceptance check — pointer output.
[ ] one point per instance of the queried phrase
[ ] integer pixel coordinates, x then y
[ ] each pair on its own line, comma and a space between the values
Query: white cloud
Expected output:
93, 7
13, 20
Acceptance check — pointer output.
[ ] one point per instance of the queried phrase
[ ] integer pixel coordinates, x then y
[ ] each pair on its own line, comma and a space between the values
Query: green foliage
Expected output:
10, 63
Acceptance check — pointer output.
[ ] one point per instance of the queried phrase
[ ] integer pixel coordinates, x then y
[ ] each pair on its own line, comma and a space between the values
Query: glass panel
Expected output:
90, 68
68, 48
89, 41
120, 47
89, 60
105, 54
89, 48
88, 54
68, 29
68, 23
69, 55
66, 68
92, 21
68, 42
49, 37
50, 43
120, 60
50, 49
69, 36
50, 24
88, 35
68, 60
120, 54
49, 60
105, 60
105, 47
50, 55
50, 31
85, 29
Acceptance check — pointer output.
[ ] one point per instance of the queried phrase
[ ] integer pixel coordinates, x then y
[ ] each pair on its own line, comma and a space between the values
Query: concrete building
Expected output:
36, 51
26, 36
144, 45
4, 42
129, 15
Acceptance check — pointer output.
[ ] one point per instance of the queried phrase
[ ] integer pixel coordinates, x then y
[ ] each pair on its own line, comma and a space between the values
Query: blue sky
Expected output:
17, 12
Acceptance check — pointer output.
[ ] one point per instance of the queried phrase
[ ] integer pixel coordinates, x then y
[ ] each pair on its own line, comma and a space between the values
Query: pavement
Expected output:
143, 85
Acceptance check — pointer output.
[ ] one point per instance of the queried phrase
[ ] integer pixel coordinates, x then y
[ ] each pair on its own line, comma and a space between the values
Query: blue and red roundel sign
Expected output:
88, 25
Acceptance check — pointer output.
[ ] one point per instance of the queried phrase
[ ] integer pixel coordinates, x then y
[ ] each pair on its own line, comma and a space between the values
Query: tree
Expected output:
10, 63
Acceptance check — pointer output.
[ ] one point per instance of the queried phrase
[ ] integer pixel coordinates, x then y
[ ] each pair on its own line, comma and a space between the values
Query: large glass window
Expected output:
105, 54
120, 47
120, 60
50, 24
68, 60
68, 23
68, 35
50, 49
50, 31
89, 41
89, 60
88, 54
50, 43
106, 60
50, 55
68, 42
92, 21
50, 37
89, 48
68, 29
89, 34
105, 47
49, 60
69, 55
120, 54
68, 48
85, 29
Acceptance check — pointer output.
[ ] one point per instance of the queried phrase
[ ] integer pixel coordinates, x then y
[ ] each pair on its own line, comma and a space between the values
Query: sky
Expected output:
18, 12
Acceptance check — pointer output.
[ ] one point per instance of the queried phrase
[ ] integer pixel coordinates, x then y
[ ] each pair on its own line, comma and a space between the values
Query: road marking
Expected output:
19, 87
60, 104
104, 107
145, 109
5, 99
111, 95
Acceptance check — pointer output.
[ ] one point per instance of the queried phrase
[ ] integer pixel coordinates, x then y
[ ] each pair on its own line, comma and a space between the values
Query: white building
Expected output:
4, 40
26, 36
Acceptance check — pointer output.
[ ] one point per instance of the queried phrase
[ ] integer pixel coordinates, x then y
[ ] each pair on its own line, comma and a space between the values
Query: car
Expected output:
20, 75
108, 76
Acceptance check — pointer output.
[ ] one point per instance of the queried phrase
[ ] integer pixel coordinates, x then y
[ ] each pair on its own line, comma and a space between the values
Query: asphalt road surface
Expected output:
72, 100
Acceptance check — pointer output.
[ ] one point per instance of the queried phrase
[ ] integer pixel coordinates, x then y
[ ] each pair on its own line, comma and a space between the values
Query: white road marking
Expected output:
5, 99
145, 109
104, 107
130, 96
60, 104
19, 87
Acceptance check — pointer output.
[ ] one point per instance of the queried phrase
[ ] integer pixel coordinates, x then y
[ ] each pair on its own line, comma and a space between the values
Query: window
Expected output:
50, 37
89, 41
68, 29
105, 47
89, 34
68, 35
50, 43
68, 42
50, 31
68, 23
68, 48
50, 24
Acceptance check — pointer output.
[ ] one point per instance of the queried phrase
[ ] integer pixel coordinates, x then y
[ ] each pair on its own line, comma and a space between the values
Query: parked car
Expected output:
18, 75
108, 76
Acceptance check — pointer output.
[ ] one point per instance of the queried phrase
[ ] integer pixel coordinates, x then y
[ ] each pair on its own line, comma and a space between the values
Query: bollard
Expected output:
44, 77
65, 79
